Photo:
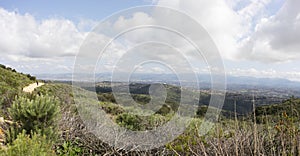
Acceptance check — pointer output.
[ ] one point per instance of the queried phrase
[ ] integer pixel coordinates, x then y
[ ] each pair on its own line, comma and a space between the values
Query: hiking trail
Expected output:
30, 88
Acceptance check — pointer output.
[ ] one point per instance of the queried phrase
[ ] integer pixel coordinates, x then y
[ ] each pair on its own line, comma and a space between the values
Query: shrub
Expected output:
201, 111
36, 145
2, 66
140, 123
130, 121
108, 97
286, 138
12, 133
33, 78
36, 115
164, 110
69, 148
184, 143
111, 108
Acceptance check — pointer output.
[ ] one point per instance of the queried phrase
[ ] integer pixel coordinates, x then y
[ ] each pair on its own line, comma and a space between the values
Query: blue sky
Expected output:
70, 9
253, 36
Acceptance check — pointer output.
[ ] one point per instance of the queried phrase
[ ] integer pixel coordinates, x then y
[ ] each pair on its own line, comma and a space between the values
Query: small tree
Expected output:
37, 115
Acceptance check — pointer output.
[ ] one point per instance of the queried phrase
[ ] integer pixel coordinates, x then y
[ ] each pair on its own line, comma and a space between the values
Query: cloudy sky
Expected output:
258, 38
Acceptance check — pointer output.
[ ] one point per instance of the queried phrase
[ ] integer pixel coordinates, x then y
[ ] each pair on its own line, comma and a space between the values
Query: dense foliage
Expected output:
36, 115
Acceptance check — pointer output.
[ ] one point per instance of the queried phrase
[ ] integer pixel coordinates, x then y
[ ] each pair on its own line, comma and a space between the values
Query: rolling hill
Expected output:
11, 83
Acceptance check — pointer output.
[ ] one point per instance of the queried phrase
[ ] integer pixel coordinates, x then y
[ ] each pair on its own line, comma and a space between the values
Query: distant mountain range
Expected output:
204, 80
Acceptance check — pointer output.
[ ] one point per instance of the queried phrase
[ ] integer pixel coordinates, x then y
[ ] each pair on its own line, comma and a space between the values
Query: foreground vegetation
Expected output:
46, 122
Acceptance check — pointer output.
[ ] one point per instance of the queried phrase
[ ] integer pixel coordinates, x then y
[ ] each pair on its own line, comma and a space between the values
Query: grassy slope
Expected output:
12, 79
11, 83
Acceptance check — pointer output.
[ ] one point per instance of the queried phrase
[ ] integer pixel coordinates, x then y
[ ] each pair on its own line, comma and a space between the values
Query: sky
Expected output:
259, 38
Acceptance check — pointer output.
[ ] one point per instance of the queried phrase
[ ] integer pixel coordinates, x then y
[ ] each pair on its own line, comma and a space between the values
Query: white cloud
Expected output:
276, 38
230, 24
33, 46
270, 73
139, 18
151, 42
23, 35
247, 29
223, 24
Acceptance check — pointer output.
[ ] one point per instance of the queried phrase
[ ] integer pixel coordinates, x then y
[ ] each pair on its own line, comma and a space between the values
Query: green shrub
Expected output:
111, 108
190, 138
140, 123
130, 121
108, 97
36, 145
36, 115
12, 133
286, 137
69, 148
201, 111
164, 110
33, 78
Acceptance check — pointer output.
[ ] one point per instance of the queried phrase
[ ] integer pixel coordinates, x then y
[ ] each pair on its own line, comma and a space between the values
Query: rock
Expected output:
2, 120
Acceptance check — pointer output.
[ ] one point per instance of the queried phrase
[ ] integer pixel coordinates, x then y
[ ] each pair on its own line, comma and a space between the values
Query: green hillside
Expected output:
11, 83
276, 131
47, 122
290, 108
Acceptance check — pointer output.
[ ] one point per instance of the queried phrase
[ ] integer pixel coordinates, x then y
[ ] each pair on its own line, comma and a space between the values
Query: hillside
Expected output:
290, 108
240, 135
50, 112
139, 92
11, 83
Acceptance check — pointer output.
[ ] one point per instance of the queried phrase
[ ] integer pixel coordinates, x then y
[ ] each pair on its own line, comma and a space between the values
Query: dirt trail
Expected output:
30, 88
